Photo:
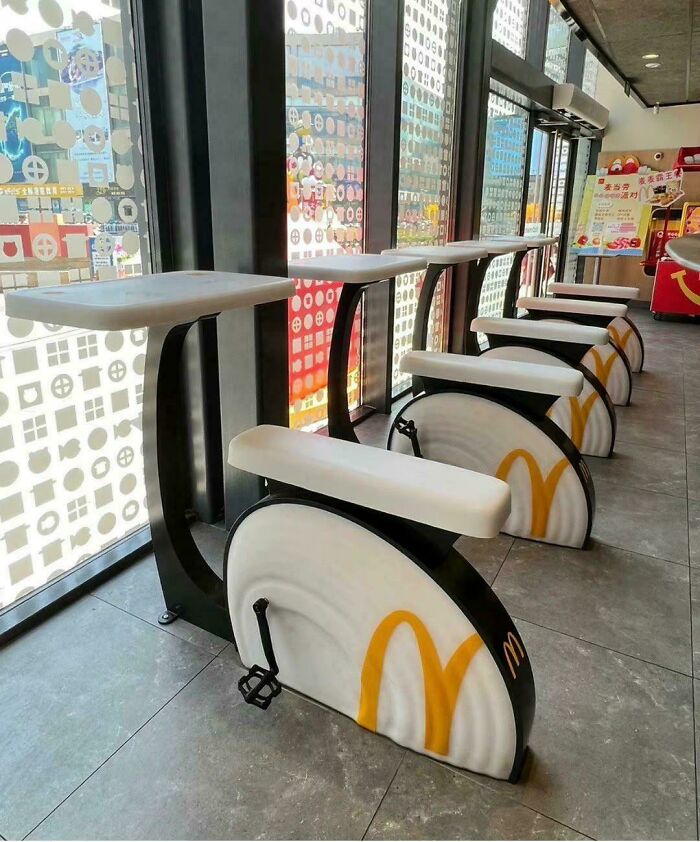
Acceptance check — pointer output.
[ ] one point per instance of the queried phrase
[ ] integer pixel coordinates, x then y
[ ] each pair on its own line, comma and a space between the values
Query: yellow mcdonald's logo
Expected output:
620, 341
603, 369
543, 489
441, 686
514, 652
685, 289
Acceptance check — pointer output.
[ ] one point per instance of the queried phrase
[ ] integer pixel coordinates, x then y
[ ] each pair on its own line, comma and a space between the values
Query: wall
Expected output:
677, 125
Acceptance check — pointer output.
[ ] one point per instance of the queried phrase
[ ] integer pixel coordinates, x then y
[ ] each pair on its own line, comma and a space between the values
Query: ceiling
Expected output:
625, 30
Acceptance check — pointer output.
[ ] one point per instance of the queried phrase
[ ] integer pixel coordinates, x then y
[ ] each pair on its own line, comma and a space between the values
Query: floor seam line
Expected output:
155, 626
505, 558
607, 648
386, 792
646, 555
119, 747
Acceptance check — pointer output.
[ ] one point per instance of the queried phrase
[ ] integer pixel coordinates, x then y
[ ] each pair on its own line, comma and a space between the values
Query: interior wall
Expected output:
636, 127
636, 130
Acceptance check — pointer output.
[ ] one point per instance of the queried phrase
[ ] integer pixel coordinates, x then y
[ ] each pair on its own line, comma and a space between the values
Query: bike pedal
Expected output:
259, 687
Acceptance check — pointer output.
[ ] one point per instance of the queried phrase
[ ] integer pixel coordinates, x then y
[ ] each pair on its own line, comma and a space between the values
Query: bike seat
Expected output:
501, 374
595, 291
443, 496
147, 300
570, 306
541, 331
355, 268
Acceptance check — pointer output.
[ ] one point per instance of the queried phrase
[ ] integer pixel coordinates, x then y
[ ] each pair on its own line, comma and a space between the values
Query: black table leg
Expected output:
190, 587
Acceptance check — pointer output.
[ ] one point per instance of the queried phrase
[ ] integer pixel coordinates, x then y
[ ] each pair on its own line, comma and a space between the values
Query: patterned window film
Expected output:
428, 89
72, 210
501, 200
556, 57
510, 25
589, 84
583, 152
325, 185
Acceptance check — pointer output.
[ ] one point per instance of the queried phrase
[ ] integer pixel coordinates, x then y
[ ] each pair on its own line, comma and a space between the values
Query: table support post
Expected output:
513, 285
477, 275
191, 589
597, 262
339, 423
421, 322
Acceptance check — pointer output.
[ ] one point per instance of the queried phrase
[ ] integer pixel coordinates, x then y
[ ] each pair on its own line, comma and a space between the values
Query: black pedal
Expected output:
409, 429
259, 687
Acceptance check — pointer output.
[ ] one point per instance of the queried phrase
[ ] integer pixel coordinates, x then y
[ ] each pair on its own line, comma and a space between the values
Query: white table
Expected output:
168, 305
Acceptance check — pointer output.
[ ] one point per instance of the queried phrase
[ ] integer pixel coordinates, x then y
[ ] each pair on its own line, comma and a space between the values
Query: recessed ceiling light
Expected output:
652, 64
651, 55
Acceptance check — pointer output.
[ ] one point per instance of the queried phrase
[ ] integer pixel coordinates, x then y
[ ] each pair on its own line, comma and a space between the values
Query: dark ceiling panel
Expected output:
626, 30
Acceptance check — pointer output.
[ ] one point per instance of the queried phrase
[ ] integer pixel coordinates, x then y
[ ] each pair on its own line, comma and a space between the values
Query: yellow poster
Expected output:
613, 219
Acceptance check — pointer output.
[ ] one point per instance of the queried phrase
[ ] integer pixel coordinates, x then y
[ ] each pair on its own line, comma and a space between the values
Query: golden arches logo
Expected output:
542, 488
685, 289
603, 369
514, 652
620, 341
441, 685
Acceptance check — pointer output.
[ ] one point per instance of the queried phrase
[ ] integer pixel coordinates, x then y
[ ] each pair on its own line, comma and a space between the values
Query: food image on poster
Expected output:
661, 189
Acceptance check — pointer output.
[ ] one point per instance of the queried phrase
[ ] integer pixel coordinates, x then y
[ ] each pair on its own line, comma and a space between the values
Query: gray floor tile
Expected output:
627, 602
137, 590
72, 691
641, 521
695, 615
692, 426
645, 468
486, 555
612, 744
210, 767
430, 801
694, 531
653, 425
658, 377
693, 470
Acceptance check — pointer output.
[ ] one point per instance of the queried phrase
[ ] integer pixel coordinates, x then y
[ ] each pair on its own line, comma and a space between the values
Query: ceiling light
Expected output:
651, 55
652, 64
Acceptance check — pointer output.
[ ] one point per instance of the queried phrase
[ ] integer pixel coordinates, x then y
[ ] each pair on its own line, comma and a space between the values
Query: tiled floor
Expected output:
115, 727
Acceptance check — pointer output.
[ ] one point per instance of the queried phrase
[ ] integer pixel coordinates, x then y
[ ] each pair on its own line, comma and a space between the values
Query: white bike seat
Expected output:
147, 300
606, 309
542, 331
502, 374
594, 291
443, 496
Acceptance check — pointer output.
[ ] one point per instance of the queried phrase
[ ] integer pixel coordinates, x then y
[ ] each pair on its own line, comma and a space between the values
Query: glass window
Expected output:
555, 208
590, 74
430, 49
510, 25
501, 199
556, 55
583, 151
325, 182
71, 211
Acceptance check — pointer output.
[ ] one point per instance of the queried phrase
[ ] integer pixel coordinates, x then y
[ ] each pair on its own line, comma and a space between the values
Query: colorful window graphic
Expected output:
510, 25
501, 200
325, 185
71, 211
430, 51
556, 56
